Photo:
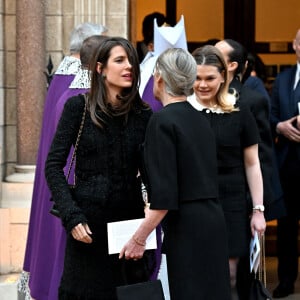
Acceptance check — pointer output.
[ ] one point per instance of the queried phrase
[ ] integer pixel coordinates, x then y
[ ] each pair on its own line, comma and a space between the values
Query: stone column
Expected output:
31, 81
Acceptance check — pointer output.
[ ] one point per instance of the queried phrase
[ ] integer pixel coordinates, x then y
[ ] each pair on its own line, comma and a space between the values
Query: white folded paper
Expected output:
119, 233
254, 253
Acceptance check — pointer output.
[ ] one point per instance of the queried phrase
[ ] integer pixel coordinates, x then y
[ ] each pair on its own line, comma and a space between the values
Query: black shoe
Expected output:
283, 290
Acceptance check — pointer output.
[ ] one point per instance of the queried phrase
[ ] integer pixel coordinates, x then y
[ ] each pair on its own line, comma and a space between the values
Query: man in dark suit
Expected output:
235, 55
285, 123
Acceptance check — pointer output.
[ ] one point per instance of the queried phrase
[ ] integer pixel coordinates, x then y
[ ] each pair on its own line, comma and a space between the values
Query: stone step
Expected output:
16, 194
8, 287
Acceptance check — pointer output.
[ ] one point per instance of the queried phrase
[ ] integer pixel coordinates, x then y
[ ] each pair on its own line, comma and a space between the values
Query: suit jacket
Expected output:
259, 106
255, 83
282, 108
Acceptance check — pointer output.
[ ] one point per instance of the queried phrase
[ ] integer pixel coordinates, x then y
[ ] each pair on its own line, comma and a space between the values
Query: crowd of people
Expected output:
219, 157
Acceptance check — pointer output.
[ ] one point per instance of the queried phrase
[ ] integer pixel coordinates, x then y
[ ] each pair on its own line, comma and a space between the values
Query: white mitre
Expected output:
165, 37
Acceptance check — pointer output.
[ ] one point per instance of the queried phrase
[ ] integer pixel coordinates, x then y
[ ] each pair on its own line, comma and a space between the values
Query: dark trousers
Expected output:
287, 249
287, 227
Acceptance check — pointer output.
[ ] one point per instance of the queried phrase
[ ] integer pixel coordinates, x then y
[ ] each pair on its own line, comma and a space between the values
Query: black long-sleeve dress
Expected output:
107, 190
181, 165
234, 132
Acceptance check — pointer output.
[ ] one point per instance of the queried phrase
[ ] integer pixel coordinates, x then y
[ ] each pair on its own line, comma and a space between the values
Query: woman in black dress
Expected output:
107, 188
181, 167
237, 151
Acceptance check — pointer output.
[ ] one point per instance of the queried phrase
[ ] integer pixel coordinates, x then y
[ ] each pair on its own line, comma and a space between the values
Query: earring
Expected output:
104, 76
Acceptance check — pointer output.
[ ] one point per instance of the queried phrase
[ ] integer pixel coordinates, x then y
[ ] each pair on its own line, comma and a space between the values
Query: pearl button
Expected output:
207, 111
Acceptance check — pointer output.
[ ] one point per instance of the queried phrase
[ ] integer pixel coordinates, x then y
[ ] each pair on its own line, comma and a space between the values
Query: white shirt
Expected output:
297, 77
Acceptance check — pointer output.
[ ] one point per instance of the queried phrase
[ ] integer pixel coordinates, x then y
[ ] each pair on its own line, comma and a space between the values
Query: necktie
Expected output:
297, 97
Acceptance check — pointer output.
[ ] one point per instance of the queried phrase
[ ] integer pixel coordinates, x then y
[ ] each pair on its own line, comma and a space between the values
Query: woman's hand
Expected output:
133, 249
82, 232
258, 223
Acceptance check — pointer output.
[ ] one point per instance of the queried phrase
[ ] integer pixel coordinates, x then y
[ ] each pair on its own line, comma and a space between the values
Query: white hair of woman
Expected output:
178, 69
83, 31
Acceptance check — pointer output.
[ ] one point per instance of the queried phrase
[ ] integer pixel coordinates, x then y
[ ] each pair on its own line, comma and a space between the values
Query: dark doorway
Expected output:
239, 22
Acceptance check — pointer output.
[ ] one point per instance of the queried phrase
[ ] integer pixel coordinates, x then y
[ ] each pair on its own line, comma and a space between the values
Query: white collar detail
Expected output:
198, 106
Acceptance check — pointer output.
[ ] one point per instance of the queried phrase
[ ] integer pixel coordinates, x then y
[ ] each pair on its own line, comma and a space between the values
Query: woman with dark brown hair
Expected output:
107, 187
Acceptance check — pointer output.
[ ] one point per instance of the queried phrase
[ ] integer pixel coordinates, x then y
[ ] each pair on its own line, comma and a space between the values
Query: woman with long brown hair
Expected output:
107, 188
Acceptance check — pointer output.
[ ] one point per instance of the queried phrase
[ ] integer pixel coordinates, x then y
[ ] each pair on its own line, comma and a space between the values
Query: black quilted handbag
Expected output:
54, 209
148, 290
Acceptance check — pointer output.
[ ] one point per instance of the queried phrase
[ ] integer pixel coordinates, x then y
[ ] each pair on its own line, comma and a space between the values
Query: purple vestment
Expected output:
149, 98
42, 233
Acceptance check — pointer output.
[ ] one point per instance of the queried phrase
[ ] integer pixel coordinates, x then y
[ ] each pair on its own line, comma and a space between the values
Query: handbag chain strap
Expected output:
77, 139
262, 265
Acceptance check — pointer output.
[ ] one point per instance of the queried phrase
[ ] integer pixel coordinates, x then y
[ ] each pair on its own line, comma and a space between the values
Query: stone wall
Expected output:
1, 90
60, 18
9, 112
63, 15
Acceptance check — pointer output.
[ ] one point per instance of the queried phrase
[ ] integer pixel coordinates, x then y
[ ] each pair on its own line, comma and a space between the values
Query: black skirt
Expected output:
195, 243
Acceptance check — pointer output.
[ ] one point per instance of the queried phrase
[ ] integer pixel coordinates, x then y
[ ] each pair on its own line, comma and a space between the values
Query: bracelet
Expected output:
137, 241
147, 205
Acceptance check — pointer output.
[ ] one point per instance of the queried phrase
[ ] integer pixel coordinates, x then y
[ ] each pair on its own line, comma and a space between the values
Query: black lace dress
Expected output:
107, 189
